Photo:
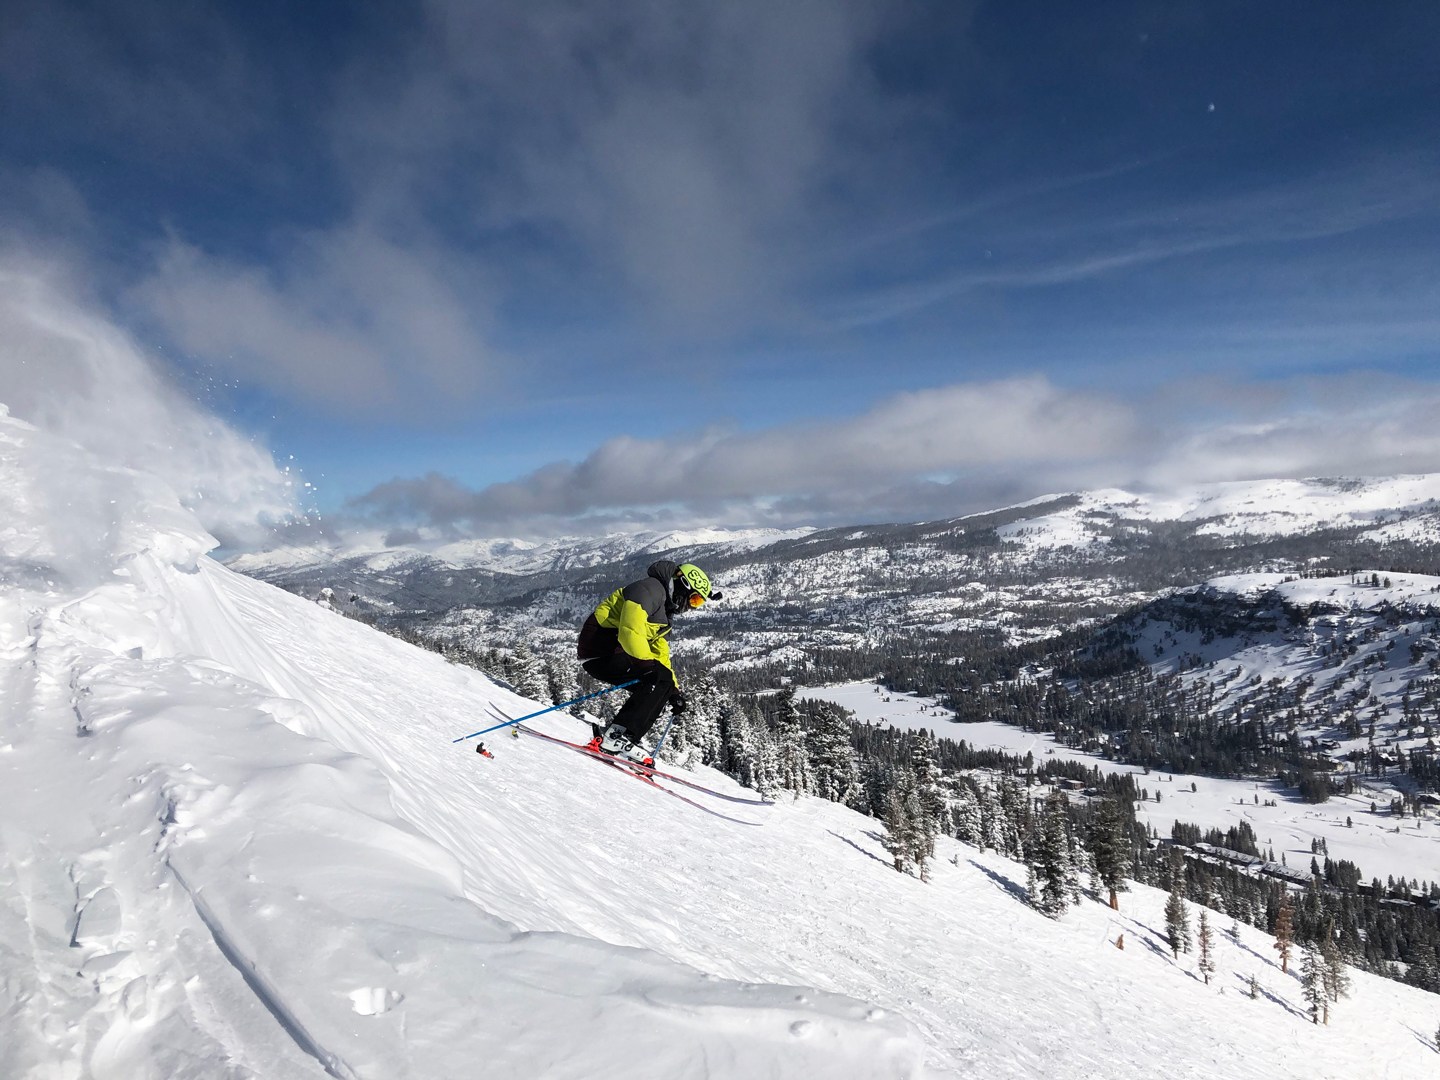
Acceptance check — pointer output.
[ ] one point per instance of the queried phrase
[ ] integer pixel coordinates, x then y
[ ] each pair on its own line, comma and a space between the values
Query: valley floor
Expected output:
1381, 844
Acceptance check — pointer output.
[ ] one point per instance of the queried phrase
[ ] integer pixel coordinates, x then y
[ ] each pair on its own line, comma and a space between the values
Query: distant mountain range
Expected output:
406, 577
1140, 542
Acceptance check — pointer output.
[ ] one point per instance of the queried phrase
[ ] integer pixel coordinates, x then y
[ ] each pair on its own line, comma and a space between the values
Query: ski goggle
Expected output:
693, 580
696, 600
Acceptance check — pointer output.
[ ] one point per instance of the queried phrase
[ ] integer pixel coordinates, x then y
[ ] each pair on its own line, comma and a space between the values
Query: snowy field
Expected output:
1369, 840
237, 840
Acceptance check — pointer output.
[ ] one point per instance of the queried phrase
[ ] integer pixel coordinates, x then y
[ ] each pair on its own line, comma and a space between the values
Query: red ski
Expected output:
647, 775
647, 771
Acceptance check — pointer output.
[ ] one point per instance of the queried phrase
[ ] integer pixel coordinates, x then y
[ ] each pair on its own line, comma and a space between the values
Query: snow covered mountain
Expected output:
237, 839
1349, 665
1382, 509
1024, 569
409, 575
1018, 574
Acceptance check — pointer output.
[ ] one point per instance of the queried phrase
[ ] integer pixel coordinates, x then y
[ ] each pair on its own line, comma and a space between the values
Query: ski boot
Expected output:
616, 742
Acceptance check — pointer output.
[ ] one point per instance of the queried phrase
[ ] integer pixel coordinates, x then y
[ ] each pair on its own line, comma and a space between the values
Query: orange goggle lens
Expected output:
696, 600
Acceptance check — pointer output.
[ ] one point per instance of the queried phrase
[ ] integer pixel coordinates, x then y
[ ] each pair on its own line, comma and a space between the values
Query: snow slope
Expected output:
237, 840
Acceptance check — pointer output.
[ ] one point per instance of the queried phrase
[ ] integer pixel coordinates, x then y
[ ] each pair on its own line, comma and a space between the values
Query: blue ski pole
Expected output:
552, 708
661, 743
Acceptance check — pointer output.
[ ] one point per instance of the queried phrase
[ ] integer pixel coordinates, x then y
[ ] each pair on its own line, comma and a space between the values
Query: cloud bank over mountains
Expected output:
941, 453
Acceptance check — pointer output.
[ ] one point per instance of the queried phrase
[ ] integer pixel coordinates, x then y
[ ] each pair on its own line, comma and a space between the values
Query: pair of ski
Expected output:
648, 774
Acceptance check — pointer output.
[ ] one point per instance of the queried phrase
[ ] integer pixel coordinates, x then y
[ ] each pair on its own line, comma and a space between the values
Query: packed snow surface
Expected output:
237, 839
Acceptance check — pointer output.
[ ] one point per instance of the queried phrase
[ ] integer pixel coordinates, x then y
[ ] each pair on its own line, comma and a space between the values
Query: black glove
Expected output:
678, 702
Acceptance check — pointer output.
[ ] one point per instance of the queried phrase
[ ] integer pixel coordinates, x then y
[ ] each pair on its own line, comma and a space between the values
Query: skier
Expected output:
626, 637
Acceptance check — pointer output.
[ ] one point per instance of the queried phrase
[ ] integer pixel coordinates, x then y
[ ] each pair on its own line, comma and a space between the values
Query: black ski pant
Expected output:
647, 697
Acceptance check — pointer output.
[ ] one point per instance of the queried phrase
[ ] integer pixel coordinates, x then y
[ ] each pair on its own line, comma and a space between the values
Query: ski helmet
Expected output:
694, 580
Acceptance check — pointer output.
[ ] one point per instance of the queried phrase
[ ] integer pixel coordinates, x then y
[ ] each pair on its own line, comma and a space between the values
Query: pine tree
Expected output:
693, 737
1423, 971
527, 674
1312, 984
902, 812
1206, 938
1082, 866
930, 800
1048, 859
927, 777
707, 703
1014, 819
1110, 847
1285, 931
767, 760
749, 751
794, 762
965, 821
678, 747
560, 684
736, 753
833, 770
992, 820
1335, 977
1177, 921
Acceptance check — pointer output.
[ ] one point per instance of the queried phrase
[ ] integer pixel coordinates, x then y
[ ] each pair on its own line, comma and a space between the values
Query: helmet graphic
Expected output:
694, 579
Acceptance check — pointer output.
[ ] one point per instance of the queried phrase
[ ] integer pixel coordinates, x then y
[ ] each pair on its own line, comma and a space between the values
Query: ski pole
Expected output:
552, 708
661, 743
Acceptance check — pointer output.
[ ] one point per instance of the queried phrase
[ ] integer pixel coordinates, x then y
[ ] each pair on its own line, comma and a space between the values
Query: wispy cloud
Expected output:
175, 83
1044, 243
685, 150
349, 319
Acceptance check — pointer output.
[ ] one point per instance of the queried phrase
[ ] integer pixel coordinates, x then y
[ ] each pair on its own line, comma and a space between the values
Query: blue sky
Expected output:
521, 268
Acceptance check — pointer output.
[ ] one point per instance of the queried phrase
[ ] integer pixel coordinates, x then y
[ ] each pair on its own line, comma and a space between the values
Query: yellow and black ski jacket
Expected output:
634, 620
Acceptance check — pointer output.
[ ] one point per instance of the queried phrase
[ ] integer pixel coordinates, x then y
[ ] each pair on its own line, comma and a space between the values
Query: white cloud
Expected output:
1342, 427
67, 369
945, 452
992, 428
681, 152
352, 321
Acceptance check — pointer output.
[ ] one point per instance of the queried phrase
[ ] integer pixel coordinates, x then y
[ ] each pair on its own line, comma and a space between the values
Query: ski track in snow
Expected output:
236, 840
